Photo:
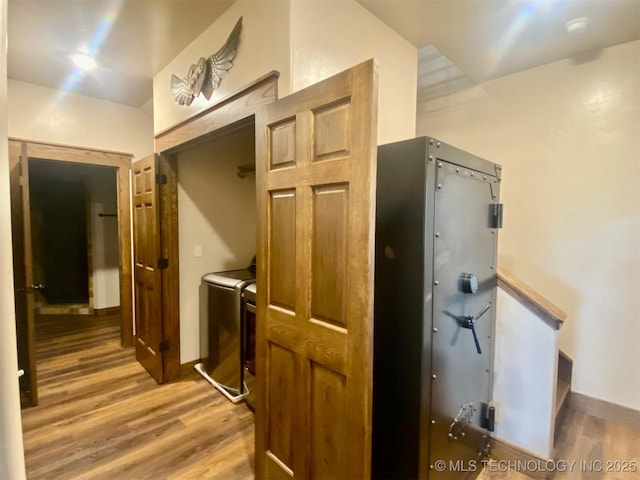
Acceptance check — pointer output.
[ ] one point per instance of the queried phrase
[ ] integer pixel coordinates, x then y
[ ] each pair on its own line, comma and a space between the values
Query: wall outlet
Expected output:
197, 251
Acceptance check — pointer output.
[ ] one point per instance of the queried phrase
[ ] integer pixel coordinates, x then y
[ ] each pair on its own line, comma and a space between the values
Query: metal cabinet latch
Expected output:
469, 322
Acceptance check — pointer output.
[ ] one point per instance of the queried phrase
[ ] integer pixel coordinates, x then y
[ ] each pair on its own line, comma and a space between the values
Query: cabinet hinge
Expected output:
163, 263
496, 215
498, 169
488, 417
164, 346
161, 179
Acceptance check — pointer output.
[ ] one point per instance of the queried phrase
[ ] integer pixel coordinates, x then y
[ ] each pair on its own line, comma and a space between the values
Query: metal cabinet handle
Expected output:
469, 322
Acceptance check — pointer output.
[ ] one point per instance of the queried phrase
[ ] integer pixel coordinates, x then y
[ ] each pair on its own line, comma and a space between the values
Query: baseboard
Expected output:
186, 369
509, 457
65, 309
611, 412
107, 311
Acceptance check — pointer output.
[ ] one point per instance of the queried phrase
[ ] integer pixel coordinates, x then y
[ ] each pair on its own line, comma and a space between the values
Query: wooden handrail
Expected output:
531, 299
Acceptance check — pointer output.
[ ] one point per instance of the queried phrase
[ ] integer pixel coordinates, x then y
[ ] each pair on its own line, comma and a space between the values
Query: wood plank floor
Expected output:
587, 447
100, 415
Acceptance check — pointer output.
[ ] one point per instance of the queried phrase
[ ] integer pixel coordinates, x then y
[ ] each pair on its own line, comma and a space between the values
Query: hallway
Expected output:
100, 415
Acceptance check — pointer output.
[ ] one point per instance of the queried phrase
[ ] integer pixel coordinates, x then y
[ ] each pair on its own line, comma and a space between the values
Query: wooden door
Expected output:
24, 285
147, 267
315, 154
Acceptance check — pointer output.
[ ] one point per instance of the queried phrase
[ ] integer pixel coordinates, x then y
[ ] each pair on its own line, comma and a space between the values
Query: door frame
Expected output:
236, 110
122, 162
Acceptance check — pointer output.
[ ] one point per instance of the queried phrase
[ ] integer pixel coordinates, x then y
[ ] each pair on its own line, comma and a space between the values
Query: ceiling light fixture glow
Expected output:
84, 61
577, 25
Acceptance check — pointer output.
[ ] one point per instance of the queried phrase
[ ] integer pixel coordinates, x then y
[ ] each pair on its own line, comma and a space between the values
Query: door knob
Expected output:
30, 288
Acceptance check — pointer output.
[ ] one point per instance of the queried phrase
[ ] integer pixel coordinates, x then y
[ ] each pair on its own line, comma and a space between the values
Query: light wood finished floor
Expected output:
101, 416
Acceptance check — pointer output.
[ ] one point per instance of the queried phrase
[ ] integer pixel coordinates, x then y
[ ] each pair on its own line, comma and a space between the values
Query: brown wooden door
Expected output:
23, 278
147, 273
316, 152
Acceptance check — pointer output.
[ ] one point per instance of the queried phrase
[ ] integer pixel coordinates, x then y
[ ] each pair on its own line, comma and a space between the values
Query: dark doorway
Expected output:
59, 213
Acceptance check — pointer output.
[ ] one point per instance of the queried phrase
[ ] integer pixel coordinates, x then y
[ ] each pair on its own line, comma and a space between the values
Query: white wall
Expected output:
216, 211
525, 368
292, 38
264, 46
47, 115
567, 136
328, 37
11, 448
104, 238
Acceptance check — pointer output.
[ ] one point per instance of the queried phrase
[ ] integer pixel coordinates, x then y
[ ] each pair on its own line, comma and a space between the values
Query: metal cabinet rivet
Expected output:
433, 422
472, 174
431, 158
436, 282
434, 376
438, 144
437, 234
457, 170
439, 186
431, 141
440, 165
435, 330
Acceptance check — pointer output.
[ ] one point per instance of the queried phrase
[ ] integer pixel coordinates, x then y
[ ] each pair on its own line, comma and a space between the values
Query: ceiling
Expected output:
131, 41
134, 39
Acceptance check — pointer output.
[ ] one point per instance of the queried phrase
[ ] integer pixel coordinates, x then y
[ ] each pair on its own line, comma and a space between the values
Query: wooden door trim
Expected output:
222, 117
168, 204
237, 106
20, 229
31, 334
122, 162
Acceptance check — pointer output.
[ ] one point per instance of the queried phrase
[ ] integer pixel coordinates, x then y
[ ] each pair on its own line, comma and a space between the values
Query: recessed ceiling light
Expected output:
577, 25
84, 61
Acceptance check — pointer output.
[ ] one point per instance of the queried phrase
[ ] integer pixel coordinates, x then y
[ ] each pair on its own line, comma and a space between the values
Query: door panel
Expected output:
315, 158
23, 271
462, 389
147, 274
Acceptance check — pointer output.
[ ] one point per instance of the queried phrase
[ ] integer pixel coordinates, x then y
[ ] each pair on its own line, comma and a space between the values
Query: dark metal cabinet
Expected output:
436, 239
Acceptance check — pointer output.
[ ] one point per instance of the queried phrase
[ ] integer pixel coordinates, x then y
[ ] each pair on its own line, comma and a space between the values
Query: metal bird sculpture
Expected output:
205, 76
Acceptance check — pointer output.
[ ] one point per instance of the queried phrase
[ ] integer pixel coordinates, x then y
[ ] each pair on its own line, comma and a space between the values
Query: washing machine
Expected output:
221, 331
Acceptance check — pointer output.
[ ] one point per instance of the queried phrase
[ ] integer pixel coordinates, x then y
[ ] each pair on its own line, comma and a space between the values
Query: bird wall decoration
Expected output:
205, 76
